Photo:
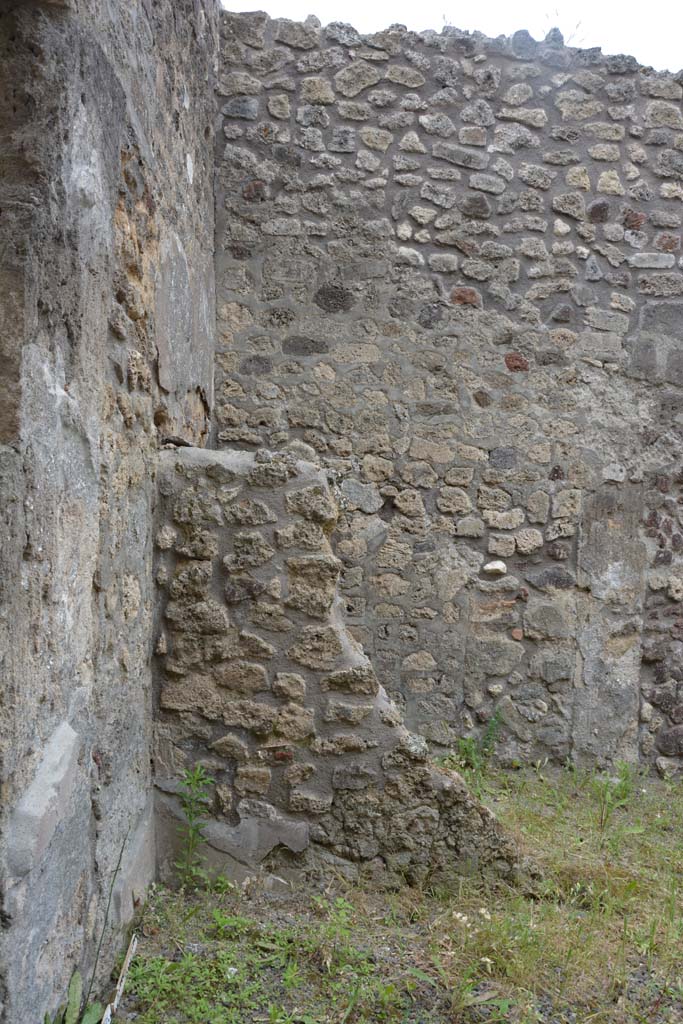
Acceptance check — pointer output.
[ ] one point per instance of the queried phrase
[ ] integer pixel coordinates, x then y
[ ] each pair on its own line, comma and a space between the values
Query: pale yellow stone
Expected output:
528, 540
577, 177
540, 453
410, 143
605, 151
278, 106
317, 90
419, 661
609, 184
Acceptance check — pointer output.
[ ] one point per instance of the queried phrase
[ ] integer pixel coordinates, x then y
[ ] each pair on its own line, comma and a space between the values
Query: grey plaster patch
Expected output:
45, 802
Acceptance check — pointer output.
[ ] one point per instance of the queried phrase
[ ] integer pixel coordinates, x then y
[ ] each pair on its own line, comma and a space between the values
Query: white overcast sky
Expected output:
651, 32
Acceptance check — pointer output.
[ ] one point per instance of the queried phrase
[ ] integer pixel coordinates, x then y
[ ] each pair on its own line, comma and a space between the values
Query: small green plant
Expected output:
612, 791
194, 800
222, 885
333, 937
230, 926
72, 1013
291, 976
491, 734
473, 753
276, 1015
469, 753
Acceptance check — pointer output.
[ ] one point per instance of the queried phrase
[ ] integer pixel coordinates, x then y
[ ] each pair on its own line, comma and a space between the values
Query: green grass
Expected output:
599, 939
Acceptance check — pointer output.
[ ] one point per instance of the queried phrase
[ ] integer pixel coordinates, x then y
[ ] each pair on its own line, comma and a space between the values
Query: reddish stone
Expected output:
463, 296
517, 634
666, 242
466, 245
281, 754
254, 191
516, 362
634, 220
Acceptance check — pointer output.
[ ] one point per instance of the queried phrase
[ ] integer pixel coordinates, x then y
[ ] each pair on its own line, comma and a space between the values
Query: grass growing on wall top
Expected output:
601, 940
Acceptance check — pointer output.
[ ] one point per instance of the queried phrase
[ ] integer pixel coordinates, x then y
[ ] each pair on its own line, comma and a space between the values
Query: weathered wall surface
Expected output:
262, 682
451, 266
449, 269
106, 324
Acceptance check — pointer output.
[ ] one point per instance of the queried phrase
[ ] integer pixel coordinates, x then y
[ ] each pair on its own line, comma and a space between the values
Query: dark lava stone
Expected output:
503, 458
333, 298
287, 155
552, 578
524, 44
562, 314
598, 212
256, 366
475, 206
300, 346
430, 315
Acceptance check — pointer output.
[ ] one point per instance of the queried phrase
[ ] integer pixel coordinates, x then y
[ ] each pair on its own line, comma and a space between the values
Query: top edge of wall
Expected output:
520, 46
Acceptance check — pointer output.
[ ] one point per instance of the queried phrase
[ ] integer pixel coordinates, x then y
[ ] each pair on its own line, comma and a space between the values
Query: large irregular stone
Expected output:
356, 77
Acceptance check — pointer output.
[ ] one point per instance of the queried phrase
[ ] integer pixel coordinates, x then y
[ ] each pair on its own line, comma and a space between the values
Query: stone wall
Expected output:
451, 266
449, 284
261, 682
106, 340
